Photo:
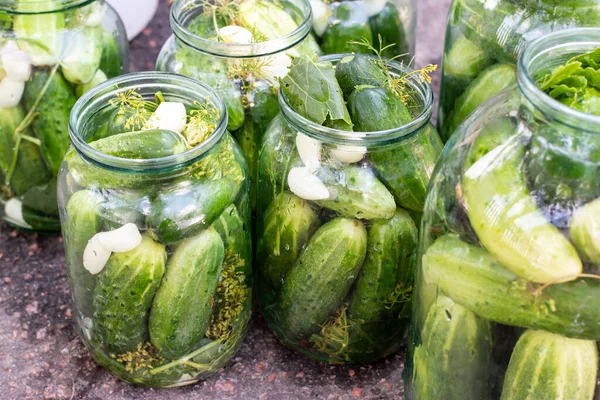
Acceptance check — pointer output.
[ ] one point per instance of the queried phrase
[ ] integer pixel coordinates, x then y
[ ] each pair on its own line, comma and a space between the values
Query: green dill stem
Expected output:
185, 359
31, 139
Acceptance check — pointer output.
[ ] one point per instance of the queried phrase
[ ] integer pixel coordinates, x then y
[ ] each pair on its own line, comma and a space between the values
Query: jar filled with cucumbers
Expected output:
241, 48
484, 39
343, 171
51, 52
508, 281
154, 205
388, 25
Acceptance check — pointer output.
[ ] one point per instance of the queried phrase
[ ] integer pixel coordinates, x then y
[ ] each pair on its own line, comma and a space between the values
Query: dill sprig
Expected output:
201, 123
145, 357
334, 337
220, 163
132, 105
401, 294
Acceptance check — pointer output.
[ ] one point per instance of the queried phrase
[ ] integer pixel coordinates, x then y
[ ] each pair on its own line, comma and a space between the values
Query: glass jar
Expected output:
51, 53
483, 41
336, 273
339, 25
244, 72
174, 308
504, 283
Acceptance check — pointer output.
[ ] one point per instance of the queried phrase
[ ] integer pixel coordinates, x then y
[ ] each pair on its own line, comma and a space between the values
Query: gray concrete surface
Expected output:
41, 357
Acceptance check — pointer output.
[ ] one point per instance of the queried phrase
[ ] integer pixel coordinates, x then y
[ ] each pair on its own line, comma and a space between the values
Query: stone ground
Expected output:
42, 357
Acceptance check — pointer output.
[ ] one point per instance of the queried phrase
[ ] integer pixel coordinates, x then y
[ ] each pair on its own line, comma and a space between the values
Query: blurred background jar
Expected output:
52, 52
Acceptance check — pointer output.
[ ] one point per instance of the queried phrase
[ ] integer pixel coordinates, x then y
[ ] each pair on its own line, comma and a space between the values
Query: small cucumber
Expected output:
358, 70
39, 33
142, 145
81, 58
123, 295
348, 23
544, 365
288, 224
182, 306
42, 198
234, 231
321, 278
387, 26
454, 357
83, 88
465, 60
505, 216
40, 222
374, 109
585, 231
110, 61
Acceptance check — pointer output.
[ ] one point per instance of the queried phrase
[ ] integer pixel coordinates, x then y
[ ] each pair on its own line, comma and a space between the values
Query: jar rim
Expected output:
536, 56
378, 138
42, 7
179, 13
147, 83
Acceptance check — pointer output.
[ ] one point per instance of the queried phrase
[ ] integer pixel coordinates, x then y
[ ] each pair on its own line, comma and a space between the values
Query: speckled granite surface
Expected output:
42, 357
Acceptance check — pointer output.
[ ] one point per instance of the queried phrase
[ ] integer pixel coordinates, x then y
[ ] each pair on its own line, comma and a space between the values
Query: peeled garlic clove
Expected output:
349, 154
168, 116
95, 256
121, 240
11, 92
16, 62
374, 7
235, 35
13, 210
309, 150
320, 16
96, 15
277, 66
306, 185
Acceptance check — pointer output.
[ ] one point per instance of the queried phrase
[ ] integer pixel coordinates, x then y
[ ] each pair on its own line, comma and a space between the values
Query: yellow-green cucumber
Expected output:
585, 231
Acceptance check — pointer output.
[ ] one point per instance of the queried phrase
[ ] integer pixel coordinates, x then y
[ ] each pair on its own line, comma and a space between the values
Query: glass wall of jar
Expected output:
484, 39
241, 48
154, 206
338, 211
51, 53
510, 243
341, 26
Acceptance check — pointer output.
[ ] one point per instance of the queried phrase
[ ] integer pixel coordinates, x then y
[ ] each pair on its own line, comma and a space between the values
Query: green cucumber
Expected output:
123, 295
110, 61
475, 279
51, 125
39, 33
454, 358
374, 109
348, 23
81, 58
42, 198
355, 192
585, 231
142, 145
83, 88
358, 70
389, 33
40, 222
505, 216
465, 60
321, 278
388, 265
544, 365
234, 231
182, 306
288, 224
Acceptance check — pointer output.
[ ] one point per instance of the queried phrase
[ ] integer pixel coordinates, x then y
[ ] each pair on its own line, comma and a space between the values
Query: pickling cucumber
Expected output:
123, 295
288, 224
321, 278
40, 34
544, 365
505, 216
110, 60
387, 26
142, 145
465, 60
81, 58
233, 230
348, 23
374, 109
182, 306
585, 231
356, 70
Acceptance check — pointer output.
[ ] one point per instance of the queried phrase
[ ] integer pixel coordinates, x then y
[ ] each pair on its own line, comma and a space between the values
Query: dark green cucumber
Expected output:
123, 295
110, 61
40, 222
182, 306
318, 282
374, 109
544, 365
472, 277
235, 231
453, 360
348, 23
142, 145
288, 224
387, 26
585, 231
51, 125
357, 70
42, 198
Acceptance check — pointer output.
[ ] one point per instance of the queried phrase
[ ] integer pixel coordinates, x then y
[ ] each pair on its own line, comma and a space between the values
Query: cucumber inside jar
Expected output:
336, 241
49, 56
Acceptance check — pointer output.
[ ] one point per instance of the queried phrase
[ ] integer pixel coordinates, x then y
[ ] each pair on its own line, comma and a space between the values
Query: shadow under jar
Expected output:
157, 236
507, 284
51, 53
338, 215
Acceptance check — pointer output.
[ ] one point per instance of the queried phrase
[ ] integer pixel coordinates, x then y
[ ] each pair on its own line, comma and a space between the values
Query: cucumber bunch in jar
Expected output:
343, 172
50, 54
154, 200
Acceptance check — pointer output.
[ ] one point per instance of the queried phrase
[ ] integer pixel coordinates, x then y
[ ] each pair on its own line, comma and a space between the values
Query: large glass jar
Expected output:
483, 41
384, 24
240, 48
507, 286
336, 268
51, 53
167, 300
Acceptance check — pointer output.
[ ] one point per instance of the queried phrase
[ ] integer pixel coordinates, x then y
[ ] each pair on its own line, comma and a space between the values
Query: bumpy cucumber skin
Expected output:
51, 125
472, 277
123, 295
375, 109
147, 144
288, 224
110, 61
320, 279
548, 366
356, 70
454, 356
348, 23
182, 306
389, 26
233, 229
585, 231
391, 245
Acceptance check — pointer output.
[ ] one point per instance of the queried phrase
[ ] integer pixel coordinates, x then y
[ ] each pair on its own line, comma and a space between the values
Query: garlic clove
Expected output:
306, 185
373, 7
16, 62
235, 35
95, 256
121, 240
348, 154
169, 116
13, 210
96, 15
310, 151
320, 16
11, 92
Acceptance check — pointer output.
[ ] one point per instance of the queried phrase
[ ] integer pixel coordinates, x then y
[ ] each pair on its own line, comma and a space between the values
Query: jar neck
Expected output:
86, 113
420, 92
33, 7
542, 56
183, 13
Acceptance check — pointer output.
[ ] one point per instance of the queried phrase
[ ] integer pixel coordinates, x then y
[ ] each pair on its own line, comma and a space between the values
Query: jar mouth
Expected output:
173, 88
546, 53
183, 11
420, 90
22, 7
